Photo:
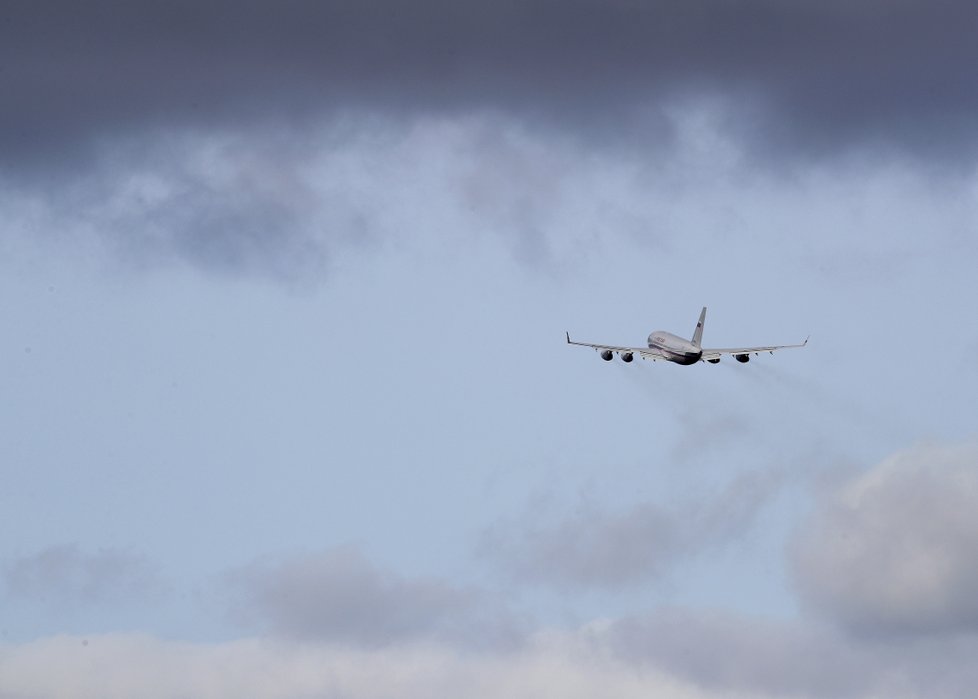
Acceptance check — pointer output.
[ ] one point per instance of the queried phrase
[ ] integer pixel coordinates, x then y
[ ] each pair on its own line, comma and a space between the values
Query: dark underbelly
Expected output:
685, 358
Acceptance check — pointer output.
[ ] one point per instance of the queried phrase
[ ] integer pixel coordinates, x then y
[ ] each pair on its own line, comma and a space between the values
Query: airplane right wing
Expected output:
715, 354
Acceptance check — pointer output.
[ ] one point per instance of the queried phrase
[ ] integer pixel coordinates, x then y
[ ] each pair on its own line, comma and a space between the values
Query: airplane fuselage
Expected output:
674, 348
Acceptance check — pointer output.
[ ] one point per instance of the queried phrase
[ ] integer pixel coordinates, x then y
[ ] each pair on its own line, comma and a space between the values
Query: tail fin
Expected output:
698, 333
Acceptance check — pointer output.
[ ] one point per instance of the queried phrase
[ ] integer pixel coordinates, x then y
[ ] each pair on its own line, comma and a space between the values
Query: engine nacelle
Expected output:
606, 355
626, 357
742, 358
714, 361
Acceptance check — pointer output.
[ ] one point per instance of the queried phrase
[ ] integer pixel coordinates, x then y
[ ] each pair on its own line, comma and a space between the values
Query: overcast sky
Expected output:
287, 407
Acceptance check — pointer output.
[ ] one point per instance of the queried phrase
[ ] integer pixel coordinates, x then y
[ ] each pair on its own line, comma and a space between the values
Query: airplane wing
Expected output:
709, 354
643, 352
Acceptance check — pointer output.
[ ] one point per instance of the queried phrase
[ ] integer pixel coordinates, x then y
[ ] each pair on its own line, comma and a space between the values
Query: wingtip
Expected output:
567, 333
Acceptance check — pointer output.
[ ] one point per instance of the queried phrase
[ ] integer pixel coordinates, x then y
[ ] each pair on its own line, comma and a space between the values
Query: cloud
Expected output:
269, 138
813, 77
731, 653
604, 547
893, 551
284, 206
266, 138
339, 596
221, 203
591, 548
64, 576
288, 206
720, 652
675, 654
108, 667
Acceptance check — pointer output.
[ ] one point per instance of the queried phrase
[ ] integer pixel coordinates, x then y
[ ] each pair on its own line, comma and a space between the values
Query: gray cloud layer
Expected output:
729, 653
595, 547
339, 596
64, 576
896, 550
810, 76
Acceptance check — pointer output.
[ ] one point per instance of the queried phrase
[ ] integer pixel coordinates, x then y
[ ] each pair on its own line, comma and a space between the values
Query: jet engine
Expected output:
742, 358
714, 361
606, 355
626, 357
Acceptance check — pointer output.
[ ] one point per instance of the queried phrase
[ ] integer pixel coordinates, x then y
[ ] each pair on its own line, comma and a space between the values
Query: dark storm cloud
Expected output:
339, 596
814, 76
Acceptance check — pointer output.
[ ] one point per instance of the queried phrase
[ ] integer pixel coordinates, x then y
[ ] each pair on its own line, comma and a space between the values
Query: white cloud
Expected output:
680, 656
107, 667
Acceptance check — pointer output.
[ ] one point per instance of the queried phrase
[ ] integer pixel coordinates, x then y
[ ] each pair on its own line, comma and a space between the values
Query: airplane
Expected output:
667, 347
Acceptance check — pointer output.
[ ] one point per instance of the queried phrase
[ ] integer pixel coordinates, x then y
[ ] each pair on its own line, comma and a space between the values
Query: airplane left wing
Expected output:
710, 354
643, 352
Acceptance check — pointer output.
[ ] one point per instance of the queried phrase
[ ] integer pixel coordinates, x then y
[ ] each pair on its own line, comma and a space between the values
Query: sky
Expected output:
287, 405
